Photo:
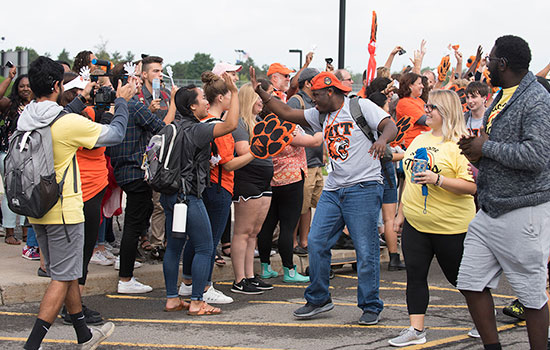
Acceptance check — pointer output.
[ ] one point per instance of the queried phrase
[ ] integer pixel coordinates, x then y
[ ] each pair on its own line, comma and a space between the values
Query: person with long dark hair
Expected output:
192, 104
10, 109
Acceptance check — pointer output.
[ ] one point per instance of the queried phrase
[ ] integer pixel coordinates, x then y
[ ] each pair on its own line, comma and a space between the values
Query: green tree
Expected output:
116, 57
260, 72
179, 70
65, 56
101, 49
129, 56
201, 62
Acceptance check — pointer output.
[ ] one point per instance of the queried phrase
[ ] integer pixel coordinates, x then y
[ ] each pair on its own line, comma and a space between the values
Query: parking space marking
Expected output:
142, 345
457, 337
131, 297
276, 285
435, 306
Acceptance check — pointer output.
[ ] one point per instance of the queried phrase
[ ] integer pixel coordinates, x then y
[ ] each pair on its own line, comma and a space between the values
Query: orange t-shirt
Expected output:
362, 93
93, 168
226, 148
414, 109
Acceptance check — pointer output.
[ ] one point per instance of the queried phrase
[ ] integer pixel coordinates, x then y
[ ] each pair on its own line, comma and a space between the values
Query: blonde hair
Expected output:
383, 72
449, 107
247, 99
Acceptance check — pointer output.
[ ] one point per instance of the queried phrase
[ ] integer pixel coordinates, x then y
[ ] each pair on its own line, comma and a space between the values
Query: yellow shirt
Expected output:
68, 134
447, 212
506, 95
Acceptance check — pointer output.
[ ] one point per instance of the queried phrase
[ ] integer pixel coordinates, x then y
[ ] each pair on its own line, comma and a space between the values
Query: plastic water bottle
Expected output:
156, 88
179, 220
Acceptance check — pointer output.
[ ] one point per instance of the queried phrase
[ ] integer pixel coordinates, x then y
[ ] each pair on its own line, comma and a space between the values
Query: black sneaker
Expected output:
258, 283
244, 287
92, 317
310, 309
516, 309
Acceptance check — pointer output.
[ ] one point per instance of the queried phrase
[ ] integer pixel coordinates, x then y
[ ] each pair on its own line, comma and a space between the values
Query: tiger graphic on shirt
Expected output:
337, 141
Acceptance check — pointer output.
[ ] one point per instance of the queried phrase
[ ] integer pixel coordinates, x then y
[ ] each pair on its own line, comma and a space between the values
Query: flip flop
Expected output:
12, 240
182, 305
205, 310
146, 245
219, 260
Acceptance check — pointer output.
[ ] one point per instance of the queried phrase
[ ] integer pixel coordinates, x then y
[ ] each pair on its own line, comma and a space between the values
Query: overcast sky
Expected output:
266, 30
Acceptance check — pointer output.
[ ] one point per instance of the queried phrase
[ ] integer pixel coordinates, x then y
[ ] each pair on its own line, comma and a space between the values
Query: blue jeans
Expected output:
218, 205
31, 238
357, 207
200, 235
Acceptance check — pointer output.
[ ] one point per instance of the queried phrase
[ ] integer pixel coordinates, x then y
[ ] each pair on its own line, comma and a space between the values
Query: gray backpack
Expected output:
29, 175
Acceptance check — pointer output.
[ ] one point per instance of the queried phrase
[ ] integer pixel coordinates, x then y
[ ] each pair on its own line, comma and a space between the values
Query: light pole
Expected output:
342, 34
297, 51
241, 53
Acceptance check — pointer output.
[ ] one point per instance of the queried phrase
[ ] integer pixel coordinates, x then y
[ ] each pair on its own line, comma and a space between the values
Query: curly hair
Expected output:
15, 99
82, 59
515, 50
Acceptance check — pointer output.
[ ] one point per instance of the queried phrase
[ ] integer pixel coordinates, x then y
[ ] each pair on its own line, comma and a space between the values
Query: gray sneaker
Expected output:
409, 336
98, 335
310, 309
369, 318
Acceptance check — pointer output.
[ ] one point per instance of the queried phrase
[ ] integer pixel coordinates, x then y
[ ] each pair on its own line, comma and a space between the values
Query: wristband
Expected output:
82, 98
437, 181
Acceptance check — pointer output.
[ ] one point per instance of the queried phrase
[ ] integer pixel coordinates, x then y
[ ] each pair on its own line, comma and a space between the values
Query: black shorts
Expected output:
252, 181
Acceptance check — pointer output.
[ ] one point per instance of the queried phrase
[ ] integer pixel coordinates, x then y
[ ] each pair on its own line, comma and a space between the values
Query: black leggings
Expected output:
92, 219
418, 250
285, 209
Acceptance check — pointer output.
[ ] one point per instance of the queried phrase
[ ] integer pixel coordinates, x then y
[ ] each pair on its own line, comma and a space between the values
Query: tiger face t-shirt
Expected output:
499, 106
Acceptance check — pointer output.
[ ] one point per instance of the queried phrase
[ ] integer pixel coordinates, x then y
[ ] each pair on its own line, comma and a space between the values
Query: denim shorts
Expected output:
390, 191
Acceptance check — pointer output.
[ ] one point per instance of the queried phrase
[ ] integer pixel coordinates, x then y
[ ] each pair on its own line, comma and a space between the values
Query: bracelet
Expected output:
81, 98
269, 99
436, 183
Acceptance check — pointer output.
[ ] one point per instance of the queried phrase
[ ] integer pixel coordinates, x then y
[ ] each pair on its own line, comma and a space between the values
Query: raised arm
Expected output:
282, 110
232, 119
394, 52
294, 87
419, 57
171, 114
473, 67
544, 72
4, 101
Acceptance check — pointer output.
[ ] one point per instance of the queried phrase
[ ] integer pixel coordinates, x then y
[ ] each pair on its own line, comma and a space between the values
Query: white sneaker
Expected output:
132, 287
99, 259
214, 296
98, 335
137, 264
108, 246
107, 253
409, 336
185, 290
473, 333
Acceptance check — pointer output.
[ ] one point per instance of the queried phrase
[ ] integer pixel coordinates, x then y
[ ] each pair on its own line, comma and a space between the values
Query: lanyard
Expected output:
329, 125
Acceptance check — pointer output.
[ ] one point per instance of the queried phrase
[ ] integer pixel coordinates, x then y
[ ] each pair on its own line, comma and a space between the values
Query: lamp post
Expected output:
297, 51
241, 53
342, 34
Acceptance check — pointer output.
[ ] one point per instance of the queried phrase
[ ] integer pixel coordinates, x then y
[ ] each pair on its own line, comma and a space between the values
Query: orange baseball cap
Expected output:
278, 68
327, 79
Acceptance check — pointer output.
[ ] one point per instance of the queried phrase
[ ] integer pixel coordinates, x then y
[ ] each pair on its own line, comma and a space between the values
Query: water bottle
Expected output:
179, 220
156, 88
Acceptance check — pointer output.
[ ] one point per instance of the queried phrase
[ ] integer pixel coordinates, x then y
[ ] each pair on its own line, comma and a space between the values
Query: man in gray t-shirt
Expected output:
353, 191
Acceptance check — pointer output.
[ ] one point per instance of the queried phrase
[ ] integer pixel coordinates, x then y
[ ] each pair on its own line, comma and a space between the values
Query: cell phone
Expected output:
401, 52
9, 64
329, 60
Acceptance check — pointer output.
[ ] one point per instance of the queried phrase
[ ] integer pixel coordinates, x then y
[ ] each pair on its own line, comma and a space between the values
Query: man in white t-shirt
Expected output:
352, 195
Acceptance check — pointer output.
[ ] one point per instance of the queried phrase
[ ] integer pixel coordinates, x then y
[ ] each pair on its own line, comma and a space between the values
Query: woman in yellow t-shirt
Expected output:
435, 224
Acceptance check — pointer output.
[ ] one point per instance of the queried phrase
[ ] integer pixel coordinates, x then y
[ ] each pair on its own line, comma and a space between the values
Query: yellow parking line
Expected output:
131, 297
430, 287
435, 306
143, 345
457, 338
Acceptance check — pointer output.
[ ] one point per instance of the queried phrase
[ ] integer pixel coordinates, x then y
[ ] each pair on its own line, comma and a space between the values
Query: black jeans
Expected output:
419, 249
285, 209
139, 207
92, 218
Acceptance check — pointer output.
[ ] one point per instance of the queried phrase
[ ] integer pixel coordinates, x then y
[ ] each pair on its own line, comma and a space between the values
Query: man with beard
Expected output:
352, 194
60, 232
511, 232
279, 75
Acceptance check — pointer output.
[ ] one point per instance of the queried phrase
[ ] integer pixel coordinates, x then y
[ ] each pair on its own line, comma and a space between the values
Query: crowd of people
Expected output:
454, 163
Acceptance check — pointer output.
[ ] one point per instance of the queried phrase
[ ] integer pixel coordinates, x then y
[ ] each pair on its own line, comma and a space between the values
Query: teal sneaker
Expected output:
291, 276
267, 272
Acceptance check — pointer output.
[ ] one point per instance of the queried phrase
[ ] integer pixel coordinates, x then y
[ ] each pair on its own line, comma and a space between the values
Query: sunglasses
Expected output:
428, 107
488, 59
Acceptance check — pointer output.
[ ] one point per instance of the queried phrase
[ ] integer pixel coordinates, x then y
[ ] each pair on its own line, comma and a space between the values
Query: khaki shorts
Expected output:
313, 187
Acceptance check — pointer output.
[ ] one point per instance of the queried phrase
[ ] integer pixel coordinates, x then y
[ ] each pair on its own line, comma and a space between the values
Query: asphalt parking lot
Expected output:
266, 321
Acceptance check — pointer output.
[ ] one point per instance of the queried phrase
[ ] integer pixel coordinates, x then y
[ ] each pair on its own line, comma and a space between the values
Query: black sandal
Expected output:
219, 260
225, 248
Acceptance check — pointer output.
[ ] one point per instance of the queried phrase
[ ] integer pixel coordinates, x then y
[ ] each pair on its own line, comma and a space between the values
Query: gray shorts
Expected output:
516, 243
63, 260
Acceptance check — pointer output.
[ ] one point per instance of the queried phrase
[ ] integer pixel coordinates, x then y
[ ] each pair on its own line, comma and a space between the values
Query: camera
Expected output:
329, 60
401, 52
9, 64
104, 97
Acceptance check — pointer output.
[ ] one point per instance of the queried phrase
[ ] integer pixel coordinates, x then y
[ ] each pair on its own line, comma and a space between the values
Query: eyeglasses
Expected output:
347, 79
488, 59
428, 107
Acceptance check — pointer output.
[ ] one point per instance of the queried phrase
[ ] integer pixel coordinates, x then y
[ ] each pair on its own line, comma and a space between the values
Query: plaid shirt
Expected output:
127, 156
